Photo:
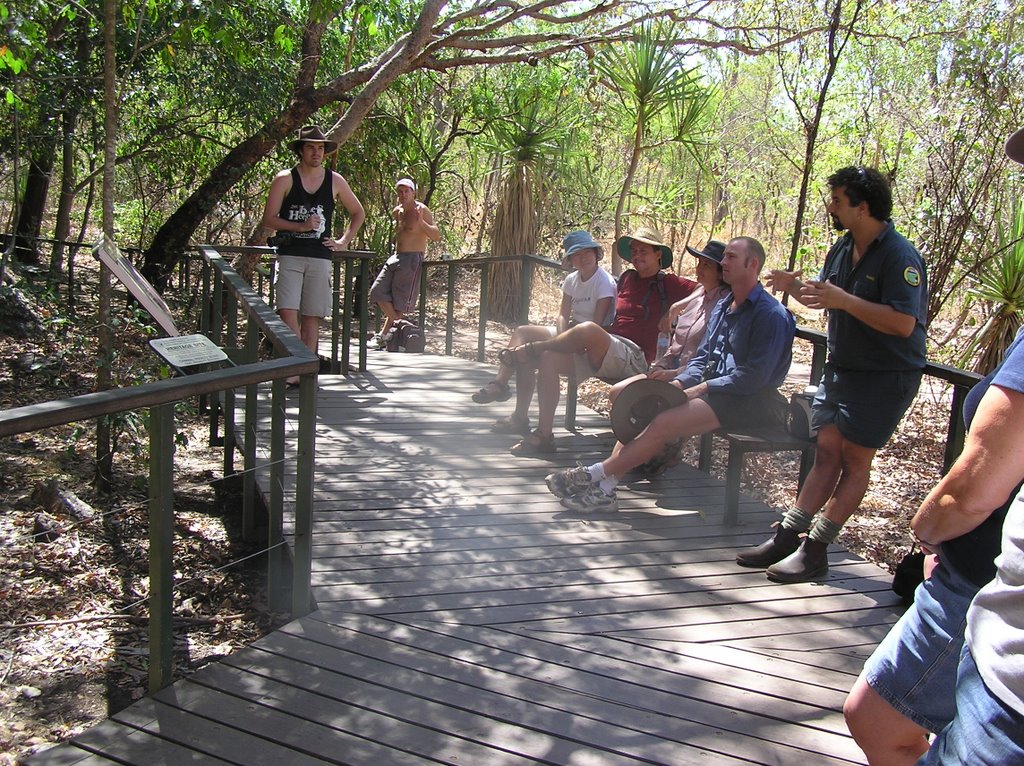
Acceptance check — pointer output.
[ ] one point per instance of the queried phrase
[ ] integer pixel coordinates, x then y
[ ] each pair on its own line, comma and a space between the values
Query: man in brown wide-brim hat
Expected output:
300, 208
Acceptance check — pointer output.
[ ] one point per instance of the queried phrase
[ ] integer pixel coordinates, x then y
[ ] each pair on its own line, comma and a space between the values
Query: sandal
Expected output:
511, 425
511, 357
535, 444
495, 391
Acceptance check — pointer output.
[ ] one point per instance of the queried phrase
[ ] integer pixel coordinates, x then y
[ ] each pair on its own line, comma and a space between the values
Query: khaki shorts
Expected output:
303, 284
623, 360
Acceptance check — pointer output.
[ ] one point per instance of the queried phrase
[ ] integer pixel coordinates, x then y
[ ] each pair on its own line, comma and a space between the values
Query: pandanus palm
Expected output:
1001, 287
657, 96
526, 139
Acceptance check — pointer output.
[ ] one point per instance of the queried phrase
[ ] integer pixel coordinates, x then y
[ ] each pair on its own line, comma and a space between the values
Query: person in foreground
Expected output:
733, 379
301, 204
988, 728
688, 317
588, 295
907, 687
397, 286
874, 289
644, 295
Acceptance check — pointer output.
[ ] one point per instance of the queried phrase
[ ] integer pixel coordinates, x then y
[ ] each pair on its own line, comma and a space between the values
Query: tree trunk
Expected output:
62, 227
105, 353
33, 203
627, 184
172, 238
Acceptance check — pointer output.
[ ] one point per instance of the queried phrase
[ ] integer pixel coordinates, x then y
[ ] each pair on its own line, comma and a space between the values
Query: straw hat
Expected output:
649, 236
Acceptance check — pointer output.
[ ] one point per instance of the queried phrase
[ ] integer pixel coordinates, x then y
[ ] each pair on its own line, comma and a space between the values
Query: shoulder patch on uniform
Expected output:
912, 276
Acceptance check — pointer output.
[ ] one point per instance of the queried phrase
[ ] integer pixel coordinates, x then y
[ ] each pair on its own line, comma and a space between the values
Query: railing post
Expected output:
485, 276
346, 323
161, 545
230, 343
956, 432
276, 595
337, 311
304, 467
526, 268
252, 341
818, 356
423, 297
364, 310
449, 313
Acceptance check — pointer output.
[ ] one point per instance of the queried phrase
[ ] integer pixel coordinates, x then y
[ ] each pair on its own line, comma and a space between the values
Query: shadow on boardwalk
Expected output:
465, 617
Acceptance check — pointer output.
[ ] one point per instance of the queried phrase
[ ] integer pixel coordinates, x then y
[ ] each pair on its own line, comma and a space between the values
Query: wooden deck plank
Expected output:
466, 617
649, 699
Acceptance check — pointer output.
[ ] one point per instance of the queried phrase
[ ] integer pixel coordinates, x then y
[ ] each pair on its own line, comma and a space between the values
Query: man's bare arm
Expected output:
981, 479
356, 215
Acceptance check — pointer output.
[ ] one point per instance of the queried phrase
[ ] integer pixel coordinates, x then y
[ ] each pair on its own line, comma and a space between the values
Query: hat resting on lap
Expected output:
639, 403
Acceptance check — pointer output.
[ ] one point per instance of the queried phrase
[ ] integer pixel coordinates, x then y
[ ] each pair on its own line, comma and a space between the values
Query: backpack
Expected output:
406, 336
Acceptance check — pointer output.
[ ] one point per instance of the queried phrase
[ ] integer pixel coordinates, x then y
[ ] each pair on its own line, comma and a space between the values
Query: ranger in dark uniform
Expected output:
874, 287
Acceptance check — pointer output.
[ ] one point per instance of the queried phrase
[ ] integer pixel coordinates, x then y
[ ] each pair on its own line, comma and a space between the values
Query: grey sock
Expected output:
796, 520
824, 531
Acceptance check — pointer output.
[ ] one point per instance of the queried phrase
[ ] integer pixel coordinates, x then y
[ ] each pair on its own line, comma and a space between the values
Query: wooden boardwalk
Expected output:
465, 617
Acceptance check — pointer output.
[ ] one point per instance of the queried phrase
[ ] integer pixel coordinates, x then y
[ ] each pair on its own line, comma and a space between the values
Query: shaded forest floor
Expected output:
74, 578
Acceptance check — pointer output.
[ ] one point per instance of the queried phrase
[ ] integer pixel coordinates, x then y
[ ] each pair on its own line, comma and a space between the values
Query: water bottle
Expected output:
662, 346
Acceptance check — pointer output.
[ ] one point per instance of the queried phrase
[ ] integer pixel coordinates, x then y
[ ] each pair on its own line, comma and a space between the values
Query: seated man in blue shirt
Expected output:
731, 381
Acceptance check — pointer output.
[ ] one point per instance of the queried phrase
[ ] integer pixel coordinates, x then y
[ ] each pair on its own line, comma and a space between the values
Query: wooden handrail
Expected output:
159, 397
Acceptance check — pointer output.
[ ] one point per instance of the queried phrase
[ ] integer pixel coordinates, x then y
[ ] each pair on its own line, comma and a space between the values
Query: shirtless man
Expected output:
398, 283
301, 203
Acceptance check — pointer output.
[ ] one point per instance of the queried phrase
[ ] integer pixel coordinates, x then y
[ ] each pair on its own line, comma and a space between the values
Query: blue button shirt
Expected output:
745, 350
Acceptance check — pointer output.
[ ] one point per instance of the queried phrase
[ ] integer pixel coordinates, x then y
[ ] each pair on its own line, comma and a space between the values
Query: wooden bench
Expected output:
755, 440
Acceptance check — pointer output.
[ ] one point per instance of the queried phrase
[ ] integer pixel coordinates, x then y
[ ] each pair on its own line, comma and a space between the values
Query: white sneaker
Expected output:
591, 500
569, 482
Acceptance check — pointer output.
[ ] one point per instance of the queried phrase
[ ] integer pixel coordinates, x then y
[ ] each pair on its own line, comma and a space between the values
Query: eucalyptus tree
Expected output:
807, 67
658, 97
435, 37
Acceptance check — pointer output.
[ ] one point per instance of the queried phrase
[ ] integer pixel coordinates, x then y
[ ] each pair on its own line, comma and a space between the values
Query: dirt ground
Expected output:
73, 585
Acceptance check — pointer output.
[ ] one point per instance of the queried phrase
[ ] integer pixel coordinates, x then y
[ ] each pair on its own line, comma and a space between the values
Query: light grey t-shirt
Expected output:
995, 621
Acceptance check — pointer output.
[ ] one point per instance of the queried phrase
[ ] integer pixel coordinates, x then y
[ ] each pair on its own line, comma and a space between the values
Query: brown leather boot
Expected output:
776, 549
809, 562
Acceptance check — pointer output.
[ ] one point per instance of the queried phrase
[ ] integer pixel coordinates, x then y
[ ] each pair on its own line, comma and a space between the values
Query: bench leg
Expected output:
733, 474
704, 460
570, 403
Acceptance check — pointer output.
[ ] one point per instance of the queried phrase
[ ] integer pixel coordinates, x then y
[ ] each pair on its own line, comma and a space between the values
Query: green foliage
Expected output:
1001, 289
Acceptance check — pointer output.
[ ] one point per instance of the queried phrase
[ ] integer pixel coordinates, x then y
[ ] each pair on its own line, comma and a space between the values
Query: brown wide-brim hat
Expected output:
648, 235
1015, 146
312, 134
639, 403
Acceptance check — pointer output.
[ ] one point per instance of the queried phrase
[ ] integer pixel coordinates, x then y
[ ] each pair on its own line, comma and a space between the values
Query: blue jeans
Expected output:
985, 732
914, 667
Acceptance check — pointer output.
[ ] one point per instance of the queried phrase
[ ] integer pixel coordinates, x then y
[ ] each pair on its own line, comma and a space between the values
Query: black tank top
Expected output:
299, 205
